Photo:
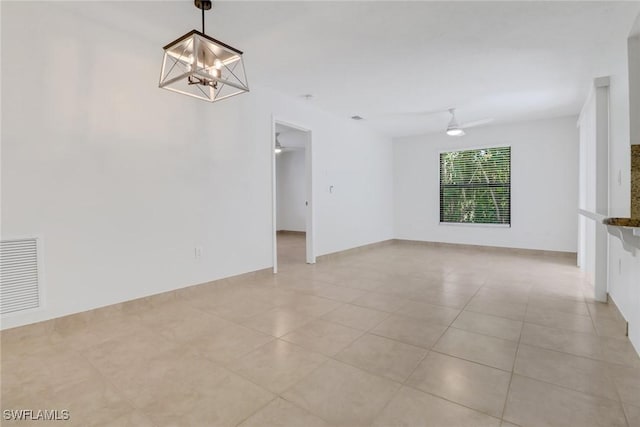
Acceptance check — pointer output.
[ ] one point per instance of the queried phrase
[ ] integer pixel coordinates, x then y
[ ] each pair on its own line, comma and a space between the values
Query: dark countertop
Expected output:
622, 222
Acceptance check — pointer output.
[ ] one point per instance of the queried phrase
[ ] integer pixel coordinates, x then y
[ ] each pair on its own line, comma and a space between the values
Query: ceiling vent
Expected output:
19, 275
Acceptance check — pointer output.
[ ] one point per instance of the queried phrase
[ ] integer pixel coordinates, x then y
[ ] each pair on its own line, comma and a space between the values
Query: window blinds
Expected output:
475, 186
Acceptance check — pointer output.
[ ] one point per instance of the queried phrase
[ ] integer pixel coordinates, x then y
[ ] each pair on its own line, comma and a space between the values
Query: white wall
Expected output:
587, 188
634, 84
122, 180
290, 192
624, 265
544, 186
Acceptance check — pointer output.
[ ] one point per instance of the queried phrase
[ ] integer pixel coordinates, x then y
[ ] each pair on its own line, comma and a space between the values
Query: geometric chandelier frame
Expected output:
200, 66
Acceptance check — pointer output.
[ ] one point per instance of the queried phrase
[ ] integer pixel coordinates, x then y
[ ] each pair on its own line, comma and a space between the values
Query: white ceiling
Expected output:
512, 61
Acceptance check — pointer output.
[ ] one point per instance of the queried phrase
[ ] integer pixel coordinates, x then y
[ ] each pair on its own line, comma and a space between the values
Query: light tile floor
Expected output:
401, 334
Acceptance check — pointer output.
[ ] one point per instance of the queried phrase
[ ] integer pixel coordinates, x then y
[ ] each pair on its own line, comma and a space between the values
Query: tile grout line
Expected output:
575, 354
430, 393
431, 349
440, 337
404, 383
515, 359
458, 315
275, 397
456, 357
116, 387
610, 376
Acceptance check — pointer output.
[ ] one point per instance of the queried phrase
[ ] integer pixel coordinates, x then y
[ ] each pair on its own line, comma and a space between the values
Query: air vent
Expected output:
19, 278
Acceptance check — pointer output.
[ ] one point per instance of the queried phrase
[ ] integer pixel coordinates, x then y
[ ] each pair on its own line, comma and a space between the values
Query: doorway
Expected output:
292, 196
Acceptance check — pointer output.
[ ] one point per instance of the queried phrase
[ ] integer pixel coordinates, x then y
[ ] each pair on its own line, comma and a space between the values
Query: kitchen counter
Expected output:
622, 222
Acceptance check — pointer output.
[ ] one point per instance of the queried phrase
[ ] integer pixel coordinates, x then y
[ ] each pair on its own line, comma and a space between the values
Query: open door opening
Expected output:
292, 197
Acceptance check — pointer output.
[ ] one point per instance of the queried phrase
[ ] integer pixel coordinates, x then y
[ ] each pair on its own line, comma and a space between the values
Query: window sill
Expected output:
471, 224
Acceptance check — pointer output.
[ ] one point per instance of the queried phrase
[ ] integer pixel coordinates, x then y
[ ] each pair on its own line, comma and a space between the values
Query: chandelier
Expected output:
203, 67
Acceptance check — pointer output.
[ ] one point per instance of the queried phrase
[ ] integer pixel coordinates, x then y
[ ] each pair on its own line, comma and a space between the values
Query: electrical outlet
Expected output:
197, 252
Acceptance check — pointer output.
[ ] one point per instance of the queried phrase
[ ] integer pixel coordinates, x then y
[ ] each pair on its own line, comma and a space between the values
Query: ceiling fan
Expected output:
456, 128
279, 148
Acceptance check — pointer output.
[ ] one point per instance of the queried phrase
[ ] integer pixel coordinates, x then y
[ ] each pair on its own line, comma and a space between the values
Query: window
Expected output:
475, 186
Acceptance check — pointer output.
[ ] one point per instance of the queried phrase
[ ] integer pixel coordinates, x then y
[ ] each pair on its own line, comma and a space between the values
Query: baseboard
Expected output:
571, 256
81, 319
495, 249
339, 254
619, 313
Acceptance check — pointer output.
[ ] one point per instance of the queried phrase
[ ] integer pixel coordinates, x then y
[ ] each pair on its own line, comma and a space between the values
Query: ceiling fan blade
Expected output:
409, 113
290, 148
476, 123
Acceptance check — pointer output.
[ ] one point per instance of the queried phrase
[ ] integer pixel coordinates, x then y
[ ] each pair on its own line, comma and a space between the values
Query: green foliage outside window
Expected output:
475, 186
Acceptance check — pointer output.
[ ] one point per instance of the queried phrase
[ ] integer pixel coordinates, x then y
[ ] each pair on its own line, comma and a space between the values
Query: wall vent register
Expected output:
19, 275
